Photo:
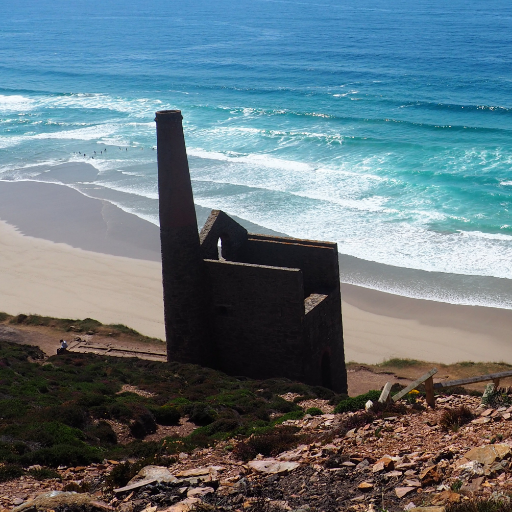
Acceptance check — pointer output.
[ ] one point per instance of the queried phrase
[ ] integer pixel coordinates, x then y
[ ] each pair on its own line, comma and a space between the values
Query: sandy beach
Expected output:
66, 255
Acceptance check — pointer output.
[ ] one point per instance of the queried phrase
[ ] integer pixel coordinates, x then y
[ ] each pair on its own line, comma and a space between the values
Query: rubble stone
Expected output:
54, 499
489, 454
155, 473
273, 466
402, 491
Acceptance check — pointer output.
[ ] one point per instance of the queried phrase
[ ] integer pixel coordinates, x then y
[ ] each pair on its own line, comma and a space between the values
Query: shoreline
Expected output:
450, 288
68, 255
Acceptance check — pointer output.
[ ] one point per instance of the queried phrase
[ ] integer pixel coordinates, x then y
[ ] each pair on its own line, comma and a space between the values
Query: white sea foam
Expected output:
15, 103
262, 160
88, 133
438, 294
366, 236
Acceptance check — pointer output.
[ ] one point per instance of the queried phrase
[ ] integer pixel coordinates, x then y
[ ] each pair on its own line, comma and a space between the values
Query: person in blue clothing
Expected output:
63, 347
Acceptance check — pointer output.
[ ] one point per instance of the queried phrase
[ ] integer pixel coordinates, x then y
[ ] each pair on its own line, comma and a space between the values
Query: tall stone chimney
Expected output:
186, 293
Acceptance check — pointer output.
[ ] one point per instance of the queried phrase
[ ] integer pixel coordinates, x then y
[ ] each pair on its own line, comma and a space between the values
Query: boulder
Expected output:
488, 455
54, 499
402, 491
184, 506
198, 492
446, 497
273, 466
471, 469
199, 471
155, 473
430, 476
384, 464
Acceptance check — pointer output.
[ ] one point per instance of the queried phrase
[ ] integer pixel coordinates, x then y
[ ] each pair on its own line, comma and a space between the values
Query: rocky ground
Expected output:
398, 459
415, 458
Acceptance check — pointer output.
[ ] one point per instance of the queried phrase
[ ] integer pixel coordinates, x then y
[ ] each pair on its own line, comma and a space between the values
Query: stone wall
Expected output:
323, 331
319, 264
259, 315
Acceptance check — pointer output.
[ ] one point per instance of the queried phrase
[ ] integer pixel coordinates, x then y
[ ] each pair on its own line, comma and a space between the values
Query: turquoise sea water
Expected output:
385, 126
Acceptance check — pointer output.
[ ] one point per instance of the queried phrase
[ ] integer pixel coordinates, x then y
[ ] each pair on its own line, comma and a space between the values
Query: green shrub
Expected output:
166, 415
143, 423
54, 433
222, 425
495, 397
71, 415
453, 419
43, 474
102, 433
12, 408
357, 403
119, 411
201, 414
272, 443
314, 411
279, 404
492, 504
10, 472
63, 454
293, 415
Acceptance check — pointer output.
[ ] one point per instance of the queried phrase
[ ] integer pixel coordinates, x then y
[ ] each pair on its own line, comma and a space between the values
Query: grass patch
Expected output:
87, 325
43, 474
268, 444
396, 362
54, 413
314, 411
453, 419
10, 472
499, 503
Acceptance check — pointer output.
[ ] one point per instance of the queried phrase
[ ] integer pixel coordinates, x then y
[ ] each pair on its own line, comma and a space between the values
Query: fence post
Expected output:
429, 388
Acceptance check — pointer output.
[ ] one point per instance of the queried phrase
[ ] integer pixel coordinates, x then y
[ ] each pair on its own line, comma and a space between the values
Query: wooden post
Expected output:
429, 388
412, 385
496, 383
384, 396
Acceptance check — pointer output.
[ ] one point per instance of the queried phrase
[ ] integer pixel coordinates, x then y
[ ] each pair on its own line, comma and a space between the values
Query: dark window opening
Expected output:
219, 249
224, 247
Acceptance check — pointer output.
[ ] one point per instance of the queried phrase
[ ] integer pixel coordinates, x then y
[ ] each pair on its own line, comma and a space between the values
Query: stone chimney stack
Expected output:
186, 293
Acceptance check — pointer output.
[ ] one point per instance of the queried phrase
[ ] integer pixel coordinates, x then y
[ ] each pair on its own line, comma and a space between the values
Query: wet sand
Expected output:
66, 255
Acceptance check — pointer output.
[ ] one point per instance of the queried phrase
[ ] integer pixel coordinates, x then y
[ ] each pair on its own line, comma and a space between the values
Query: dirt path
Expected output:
48, 338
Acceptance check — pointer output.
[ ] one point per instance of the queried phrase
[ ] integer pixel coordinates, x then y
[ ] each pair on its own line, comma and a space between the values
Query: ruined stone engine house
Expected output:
258, 306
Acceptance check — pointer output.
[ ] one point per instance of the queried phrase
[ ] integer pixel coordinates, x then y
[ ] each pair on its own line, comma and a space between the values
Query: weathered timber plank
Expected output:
412, 385
384, 396
471, 380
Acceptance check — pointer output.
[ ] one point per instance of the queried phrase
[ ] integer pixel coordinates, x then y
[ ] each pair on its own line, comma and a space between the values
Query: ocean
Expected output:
384, 126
